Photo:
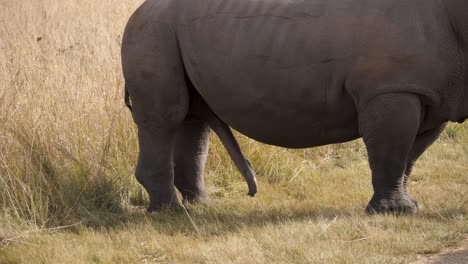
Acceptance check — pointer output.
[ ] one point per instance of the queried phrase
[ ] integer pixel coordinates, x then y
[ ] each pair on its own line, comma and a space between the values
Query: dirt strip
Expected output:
458, 255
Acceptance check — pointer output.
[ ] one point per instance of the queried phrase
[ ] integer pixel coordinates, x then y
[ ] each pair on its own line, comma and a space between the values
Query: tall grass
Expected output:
67, 143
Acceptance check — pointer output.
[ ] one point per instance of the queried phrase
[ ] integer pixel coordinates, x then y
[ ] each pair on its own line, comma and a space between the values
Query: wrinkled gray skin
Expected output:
296, 74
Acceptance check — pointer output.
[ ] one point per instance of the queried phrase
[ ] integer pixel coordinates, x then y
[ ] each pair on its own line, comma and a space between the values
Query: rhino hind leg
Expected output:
154, 169
190, 154
158, 122
158, 92
389, 125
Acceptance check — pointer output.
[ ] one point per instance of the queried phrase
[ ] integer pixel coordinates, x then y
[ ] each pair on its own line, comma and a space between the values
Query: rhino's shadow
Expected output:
214, 221
216, 218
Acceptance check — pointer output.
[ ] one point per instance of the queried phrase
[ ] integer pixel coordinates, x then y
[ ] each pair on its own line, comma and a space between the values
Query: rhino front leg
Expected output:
389, 124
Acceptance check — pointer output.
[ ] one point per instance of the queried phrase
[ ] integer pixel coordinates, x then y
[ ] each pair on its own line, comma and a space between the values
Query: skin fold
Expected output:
296, 74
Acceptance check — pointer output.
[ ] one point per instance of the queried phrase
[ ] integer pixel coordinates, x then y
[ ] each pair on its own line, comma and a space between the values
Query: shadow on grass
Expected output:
208, 220
443, 215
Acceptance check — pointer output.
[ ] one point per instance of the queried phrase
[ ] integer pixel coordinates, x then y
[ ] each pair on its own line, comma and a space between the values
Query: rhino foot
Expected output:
162, 199
399, 205
195, 197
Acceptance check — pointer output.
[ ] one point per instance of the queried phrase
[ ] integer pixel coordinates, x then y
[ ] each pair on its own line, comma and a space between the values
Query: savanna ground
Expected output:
68, 150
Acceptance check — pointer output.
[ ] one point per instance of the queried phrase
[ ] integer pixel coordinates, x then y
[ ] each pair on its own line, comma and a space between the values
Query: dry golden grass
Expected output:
68, 149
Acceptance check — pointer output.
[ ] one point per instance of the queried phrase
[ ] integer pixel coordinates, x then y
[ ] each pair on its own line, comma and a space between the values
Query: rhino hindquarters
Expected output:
155, 81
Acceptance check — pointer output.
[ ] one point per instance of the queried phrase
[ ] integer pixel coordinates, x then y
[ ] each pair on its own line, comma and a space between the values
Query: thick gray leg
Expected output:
422, 142
155, 82
190, 153
389, 125
155, 166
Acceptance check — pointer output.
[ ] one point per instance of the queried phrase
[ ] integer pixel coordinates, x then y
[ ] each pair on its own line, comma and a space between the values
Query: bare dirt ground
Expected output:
458, 255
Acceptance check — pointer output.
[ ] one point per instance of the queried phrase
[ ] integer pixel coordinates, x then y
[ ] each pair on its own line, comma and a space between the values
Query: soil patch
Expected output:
448, 256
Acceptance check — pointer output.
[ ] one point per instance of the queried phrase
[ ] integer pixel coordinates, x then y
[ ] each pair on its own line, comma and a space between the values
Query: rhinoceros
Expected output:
295, 74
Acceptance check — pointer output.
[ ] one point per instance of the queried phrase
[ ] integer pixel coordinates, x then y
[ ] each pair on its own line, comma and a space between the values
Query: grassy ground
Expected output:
68, 149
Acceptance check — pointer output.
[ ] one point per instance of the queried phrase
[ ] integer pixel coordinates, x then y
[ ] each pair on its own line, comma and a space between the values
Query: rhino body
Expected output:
295, 74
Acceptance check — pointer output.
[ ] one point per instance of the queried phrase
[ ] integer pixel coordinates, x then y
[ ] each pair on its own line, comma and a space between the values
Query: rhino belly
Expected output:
268, 78
285, 107
291, 120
